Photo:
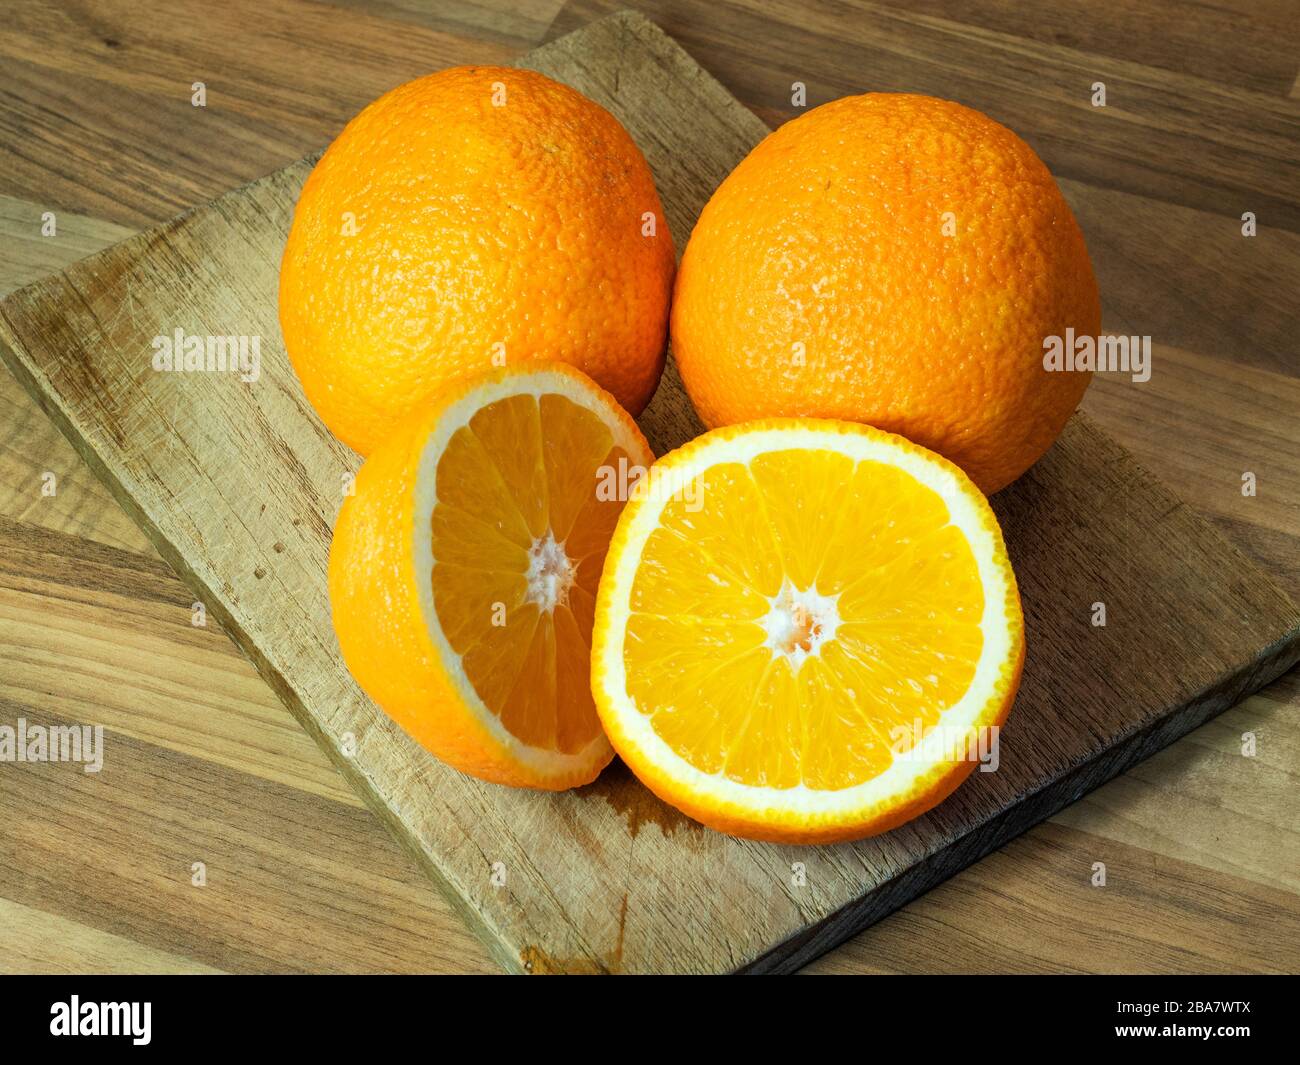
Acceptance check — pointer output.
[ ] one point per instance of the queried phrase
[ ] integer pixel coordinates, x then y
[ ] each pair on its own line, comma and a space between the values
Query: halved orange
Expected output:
463, 571
805, 630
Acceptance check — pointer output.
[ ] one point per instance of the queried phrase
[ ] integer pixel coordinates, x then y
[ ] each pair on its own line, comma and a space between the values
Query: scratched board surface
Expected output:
238, 485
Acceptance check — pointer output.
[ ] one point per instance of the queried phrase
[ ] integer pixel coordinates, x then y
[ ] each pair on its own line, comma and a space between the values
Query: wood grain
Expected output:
1235, 42
623, 883
1229, 419
1234, 151
83, 79
38, 942
1005, 916
174, 669
58, 858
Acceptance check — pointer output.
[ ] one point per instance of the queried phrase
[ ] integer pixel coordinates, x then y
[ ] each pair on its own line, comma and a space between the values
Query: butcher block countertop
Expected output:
1199, 843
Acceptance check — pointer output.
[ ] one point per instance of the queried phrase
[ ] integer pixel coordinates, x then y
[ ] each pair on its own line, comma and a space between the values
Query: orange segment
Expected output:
845, 731
510, 431
529, 712
893, 506
673, 681
801, 502
576, 727
464, 570
680, 578
469, 482
576, 444
725, 530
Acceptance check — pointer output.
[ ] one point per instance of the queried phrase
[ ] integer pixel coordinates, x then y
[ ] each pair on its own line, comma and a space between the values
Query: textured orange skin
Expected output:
942, 780
374, 601
476, 226
831, 234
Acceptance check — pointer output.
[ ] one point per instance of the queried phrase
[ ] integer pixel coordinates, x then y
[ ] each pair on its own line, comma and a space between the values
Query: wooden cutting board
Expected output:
238, 485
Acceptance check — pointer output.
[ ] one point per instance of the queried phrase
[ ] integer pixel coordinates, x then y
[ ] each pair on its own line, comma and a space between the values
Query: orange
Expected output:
806, 630
896, 260
463, 571
471, 219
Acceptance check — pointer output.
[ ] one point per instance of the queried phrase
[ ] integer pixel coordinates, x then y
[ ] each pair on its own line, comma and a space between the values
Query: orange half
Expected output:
463, 572
805, 630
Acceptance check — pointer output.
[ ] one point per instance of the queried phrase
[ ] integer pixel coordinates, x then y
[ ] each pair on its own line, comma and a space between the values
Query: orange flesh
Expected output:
519, 539
743, 673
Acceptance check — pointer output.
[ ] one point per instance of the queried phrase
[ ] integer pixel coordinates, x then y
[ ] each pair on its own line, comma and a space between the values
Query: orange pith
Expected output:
463, 572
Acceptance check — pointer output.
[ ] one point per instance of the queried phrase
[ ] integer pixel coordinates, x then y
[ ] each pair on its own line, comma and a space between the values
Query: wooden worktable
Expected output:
1201, 844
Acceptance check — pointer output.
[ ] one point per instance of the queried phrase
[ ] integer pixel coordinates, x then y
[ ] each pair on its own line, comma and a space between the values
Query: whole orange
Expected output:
896, 260
477, 217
